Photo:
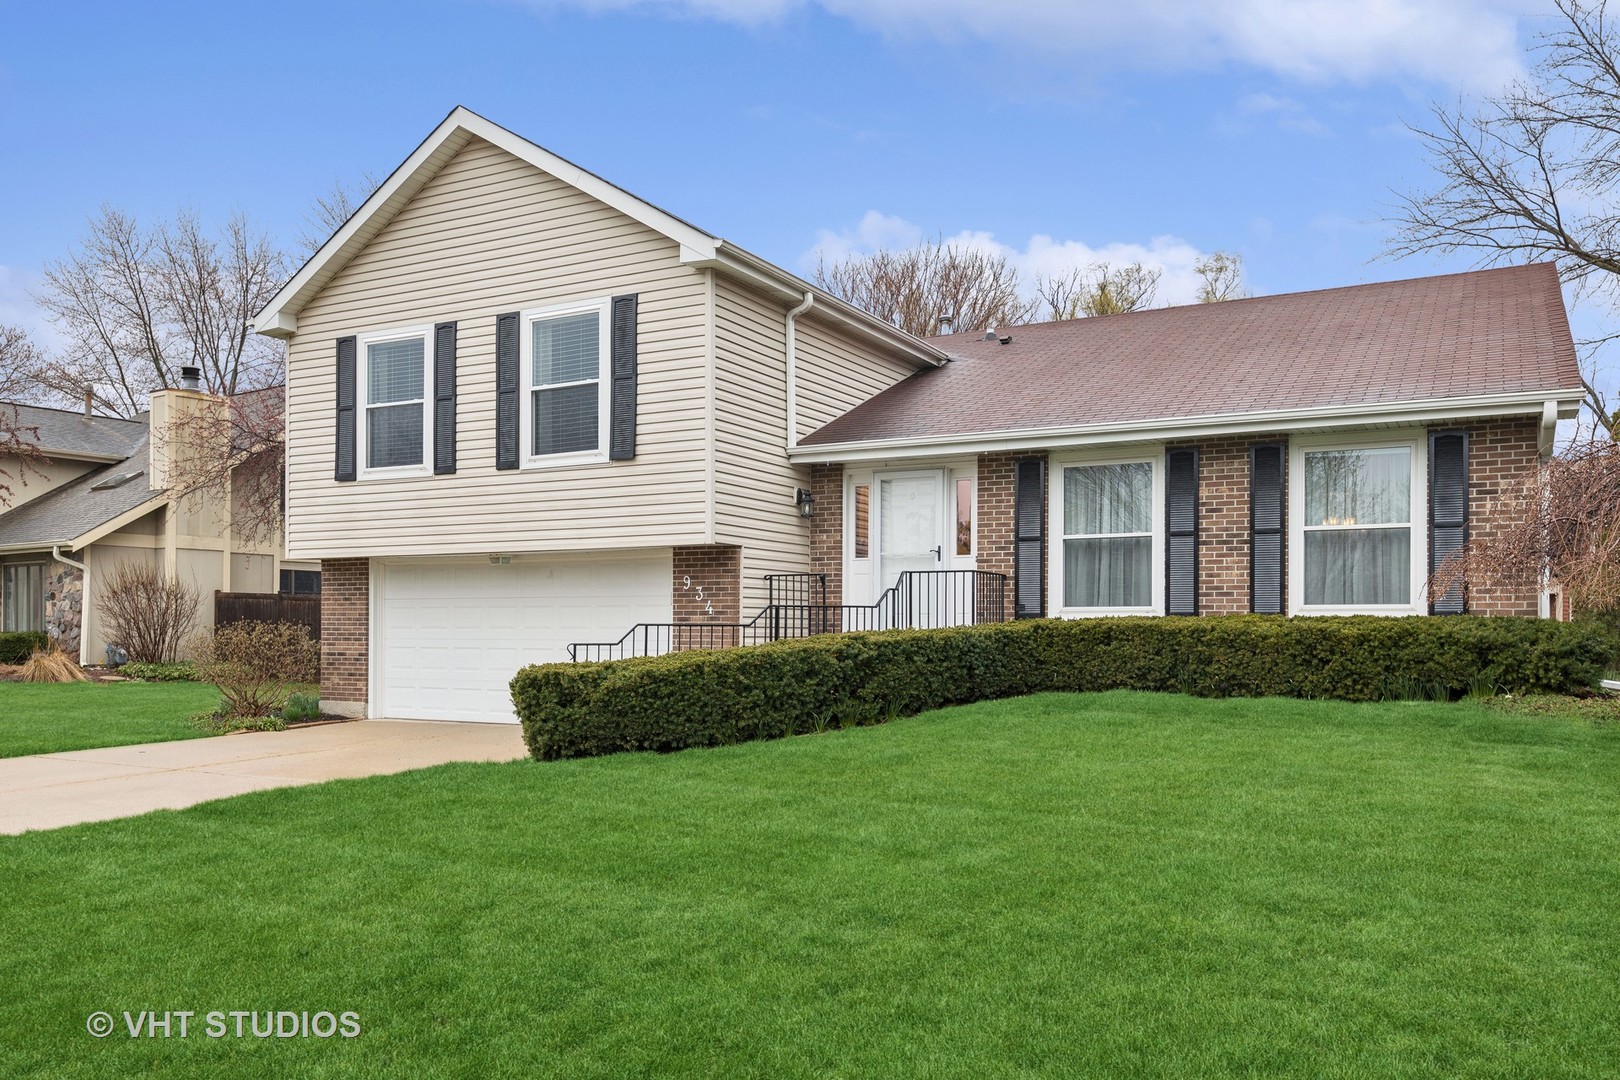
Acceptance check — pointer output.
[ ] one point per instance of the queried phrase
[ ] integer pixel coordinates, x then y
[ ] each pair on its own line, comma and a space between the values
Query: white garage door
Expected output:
452, 632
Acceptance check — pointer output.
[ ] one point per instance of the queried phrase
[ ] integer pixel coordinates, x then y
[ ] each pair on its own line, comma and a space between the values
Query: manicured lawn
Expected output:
1111, 885
38, 718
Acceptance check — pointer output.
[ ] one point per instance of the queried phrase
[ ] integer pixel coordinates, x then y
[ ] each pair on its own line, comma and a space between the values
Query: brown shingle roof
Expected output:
1485, 332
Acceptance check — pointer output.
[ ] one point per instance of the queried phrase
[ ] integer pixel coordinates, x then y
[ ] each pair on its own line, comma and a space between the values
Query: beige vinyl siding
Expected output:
754, 481
38, 477
492, 234
837, 371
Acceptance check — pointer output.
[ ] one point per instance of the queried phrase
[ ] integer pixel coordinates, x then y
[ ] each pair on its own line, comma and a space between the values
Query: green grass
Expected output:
1110, 885
42, 718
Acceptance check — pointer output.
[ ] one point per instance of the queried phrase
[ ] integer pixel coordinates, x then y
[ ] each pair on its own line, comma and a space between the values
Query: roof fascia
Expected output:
1565, 403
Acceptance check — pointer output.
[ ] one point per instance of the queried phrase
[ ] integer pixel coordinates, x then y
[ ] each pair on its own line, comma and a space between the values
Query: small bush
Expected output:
181, 671
301, 708
256, 665
221, 724
704, 698
16, 646
53, 666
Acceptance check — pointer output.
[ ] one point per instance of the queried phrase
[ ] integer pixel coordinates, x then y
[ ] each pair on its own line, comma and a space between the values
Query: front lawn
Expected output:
1067, 885
43, 718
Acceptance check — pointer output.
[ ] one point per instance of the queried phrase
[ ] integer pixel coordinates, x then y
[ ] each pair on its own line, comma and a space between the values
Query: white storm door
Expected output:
911, 536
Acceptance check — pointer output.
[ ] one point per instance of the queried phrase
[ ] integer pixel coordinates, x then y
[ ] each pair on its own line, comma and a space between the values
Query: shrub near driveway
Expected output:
711, 698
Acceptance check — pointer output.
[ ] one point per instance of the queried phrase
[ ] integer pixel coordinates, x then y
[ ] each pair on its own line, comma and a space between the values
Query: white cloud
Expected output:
1040, 256
1456, 42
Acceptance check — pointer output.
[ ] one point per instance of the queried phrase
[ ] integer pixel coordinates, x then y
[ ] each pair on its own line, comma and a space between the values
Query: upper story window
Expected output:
564, 400
394, 378
1107, 555
1358, 548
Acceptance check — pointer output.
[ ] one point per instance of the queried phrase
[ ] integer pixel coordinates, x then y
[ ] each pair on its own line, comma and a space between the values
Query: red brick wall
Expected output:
345, 629
1223, 522
827, 528
708, 584
1499, 452
996, 528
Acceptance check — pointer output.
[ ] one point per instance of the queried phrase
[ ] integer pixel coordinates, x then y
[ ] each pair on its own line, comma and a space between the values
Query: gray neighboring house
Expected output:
96, 501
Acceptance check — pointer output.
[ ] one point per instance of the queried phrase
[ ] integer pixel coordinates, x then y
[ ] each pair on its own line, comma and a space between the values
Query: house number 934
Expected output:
686, 583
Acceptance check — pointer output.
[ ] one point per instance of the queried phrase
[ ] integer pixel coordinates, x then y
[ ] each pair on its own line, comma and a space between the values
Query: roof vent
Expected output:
116, 480
190, 377
1007, 340
946, 325
990, 334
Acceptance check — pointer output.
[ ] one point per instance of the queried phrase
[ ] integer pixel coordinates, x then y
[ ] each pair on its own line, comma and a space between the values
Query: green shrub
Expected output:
301, 708
257, 665
18, 645
712, 698
182, 671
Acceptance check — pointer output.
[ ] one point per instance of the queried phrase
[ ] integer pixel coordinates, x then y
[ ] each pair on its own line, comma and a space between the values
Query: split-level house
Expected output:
96, 493
526, 409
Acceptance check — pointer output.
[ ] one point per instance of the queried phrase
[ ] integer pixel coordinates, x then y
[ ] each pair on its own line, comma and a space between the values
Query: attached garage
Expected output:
449, 634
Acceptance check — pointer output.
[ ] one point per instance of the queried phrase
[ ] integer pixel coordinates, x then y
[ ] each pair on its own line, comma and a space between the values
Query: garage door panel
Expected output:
454, 632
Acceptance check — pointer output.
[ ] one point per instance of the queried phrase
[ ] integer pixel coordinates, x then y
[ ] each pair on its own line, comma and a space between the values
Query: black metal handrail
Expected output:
919, 599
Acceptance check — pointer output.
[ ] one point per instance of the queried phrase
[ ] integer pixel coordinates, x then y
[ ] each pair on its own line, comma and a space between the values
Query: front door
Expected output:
911, 536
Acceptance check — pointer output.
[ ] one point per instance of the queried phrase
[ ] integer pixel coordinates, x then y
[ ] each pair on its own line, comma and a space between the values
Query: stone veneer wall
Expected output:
64, 604
345, 634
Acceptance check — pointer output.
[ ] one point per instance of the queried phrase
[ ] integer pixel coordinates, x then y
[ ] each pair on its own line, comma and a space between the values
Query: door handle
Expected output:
939, 552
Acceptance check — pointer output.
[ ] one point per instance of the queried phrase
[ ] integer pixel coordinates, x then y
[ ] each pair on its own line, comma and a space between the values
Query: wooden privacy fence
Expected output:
232, 607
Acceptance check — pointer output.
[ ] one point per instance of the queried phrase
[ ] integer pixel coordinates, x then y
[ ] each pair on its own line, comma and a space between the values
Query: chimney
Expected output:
945, 324
89, 402
190, 377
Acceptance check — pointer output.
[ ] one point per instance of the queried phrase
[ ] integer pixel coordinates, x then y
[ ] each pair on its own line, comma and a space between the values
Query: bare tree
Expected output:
19, 452
134, 305
1220, 277
1564, 517
1100, 289
330, 210
1530, 174
148, 613
19, 356
915, 288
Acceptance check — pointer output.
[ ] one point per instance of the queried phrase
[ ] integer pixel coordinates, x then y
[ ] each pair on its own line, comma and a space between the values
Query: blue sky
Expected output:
1060, 131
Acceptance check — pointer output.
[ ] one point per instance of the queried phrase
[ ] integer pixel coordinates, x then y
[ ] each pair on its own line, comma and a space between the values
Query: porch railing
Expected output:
918, 600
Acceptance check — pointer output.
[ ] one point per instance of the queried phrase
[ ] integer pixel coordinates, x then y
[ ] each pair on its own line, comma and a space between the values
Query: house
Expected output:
527, 409
96, 498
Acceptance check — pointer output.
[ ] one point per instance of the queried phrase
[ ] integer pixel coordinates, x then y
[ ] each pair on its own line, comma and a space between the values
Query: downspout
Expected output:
793, 370
84, 600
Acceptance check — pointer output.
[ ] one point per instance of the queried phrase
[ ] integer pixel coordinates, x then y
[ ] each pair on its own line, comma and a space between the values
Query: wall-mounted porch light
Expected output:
806, 501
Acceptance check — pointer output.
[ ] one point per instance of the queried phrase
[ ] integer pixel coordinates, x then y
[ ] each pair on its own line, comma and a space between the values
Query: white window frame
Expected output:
955, 511
1415, 441
602, 307
363, 406
1055, 535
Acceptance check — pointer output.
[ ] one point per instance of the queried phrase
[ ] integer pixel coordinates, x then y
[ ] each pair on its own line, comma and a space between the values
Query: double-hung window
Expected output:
565, 400
393, 382
1359, 542
1108, 554
22, 597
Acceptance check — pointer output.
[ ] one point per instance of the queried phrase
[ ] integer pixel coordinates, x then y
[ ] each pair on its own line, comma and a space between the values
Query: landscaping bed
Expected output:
1114, 884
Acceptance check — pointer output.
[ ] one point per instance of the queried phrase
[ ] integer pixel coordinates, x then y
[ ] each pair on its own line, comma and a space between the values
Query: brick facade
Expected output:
1223, 522
708, 584
995, 528
827, 528
345, 634
1499, 452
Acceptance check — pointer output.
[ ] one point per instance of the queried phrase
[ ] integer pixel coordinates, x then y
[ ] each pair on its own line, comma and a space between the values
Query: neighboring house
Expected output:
97, 500
527, 409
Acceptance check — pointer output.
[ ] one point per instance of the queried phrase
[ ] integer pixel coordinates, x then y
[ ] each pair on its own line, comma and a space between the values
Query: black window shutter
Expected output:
506, 391
622, 437
1029, 562
344, 463
1181, 532
1268, 536
1448, 511
444, 398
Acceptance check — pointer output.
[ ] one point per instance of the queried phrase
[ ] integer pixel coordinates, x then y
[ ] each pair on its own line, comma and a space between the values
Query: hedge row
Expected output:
18, 645
704, 698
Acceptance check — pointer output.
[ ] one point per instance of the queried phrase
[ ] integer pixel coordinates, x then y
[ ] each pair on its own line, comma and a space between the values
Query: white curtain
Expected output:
23, 601
1113, 572
1347, 566
1356, 567
1103, 570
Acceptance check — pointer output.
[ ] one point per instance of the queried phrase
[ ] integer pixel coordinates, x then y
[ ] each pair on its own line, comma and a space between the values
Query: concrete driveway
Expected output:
48, 791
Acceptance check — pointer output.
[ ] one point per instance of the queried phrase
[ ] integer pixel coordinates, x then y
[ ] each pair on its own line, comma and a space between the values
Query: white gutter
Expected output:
793, 368
84, 600
1567, 403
